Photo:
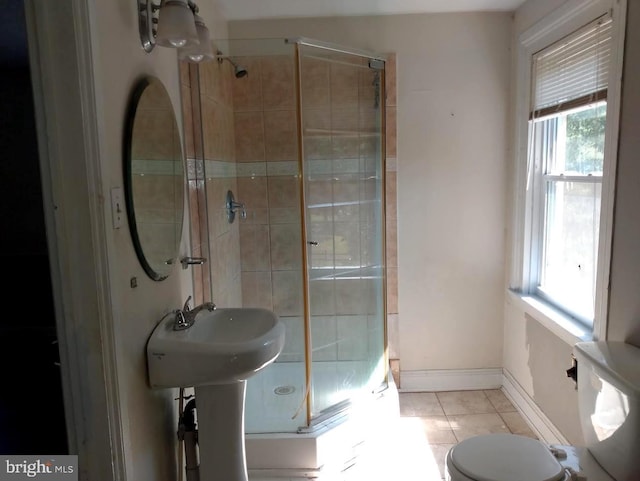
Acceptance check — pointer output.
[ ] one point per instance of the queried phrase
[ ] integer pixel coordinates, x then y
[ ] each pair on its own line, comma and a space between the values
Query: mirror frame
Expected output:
134, 101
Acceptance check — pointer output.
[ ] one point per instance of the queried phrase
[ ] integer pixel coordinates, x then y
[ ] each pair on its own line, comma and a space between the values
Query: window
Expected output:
568, 117
563, 209
569, 150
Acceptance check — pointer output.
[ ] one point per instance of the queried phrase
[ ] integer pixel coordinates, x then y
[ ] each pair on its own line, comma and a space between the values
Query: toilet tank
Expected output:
609, 401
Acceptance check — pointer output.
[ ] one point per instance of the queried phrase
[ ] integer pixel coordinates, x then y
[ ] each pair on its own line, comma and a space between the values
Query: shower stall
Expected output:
306, 166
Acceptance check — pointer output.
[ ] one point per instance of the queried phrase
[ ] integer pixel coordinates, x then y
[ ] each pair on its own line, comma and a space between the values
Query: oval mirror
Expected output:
154, 178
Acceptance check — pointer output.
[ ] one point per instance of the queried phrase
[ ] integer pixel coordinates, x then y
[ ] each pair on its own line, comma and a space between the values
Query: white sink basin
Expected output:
223, 346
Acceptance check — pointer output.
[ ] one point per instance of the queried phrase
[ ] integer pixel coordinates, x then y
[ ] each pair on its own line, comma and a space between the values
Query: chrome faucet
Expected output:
185, 317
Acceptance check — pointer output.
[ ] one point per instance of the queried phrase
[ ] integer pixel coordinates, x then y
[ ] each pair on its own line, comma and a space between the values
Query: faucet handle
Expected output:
186, 307
179, 322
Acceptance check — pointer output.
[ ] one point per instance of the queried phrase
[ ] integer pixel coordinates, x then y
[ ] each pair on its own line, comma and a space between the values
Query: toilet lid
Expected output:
505, 457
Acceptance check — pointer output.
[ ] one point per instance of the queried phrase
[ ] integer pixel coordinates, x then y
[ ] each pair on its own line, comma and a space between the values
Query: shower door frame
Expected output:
314, 422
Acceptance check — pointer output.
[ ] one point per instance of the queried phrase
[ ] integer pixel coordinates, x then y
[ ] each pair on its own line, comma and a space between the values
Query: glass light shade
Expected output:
201, 51
176, 25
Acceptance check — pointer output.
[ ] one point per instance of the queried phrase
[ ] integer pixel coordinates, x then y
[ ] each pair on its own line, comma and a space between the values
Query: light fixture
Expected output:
174, 24
202, 50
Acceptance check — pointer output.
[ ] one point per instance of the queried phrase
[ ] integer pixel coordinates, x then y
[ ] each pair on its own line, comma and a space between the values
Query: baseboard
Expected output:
530, 411
450, 380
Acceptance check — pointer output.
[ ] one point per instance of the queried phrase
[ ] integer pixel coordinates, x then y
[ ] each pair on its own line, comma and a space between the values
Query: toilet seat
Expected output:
504, 457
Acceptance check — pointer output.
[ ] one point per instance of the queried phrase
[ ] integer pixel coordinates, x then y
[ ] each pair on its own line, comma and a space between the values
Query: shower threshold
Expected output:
329, 448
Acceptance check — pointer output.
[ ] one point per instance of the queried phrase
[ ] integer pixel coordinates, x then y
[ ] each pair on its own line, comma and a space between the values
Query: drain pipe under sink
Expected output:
188, 433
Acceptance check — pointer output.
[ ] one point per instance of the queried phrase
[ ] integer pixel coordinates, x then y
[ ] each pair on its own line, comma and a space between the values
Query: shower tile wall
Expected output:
270, 239
266, 152
244, 129
392, 219
211, 173
195, 184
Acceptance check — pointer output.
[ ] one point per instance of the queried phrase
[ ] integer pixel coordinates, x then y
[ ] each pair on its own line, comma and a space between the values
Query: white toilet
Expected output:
609, 404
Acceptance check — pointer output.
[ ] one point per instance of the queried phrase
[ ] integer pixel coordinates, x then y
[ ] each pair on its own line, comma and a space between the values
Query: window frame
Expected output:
526, 222
540, 181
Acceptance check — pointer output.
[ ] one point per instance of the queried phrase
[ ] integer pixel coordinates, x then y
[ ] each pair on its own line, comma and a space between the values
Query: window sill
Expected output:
563, 326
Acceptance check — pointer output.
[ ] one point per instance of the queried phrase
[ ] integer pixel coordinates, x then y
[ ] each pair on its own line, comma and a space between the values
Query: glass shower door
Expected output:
342, 145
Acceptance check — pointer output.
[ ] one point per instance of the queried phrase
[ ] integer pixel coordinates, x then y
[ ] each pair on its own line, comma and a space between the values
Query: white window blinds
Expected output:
573, 71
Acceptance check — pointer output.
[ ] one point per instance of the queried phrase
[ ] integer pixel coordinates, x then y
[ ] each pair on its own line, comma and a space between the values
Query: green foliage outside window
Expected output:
585, 140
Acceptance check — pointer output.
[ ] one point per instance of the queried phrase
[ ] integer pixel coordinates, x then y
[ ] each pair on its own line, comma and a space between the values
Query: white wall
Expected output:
453, 94
624, 301
536, 356
149, 417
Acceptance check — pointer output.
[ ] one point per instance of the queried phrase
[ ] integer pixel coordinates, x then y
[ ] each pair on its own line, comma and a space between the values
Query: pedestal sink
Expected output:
216, 356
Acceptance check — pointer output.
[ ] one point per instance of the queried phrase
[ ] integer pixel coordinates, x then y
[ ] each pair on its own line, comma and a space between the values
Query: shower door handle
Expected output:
312, 243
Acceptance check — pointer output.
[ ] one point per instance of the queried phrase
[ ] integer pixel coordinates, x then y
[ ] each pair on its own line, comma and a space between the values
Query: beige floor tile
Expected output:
419, 404
403, 453
465, 402
439, 452
436, 428
466, 425
416, 446
499, 401
517, 425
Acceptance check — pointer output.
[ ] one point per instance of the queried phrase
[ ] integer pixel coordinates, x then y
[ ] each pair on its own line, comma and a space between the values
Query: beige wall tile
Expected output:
314, 83
278, 90
293, 350
255, 250
256, 290
392, 243
283, 191
286, 250
324, 338
351, 330
284, 215
187, 121
322, 297
392, 290
391, 132
252, 191
280, 132
317, 138
350, 297
345, 81
249, 136
287, 292
247, 90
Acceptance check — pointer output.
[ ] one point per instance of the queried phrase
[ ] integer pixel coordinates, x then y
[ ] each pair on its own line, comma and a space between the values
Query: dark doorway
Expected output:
32, 417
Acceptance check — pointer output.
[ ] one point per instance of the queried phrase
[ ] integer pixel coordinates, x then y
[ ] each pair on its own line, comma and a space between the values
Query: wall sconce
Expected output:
201, 51
174, 24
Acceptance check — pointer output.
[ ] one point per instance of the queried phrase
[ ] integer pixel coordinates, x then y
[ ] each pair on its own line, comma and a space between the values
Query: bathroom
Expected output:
454, 98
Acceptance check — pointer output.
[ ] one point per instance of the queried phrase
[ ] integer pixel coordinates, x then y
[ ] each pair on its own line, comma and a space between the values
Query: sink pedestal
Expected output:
220, 416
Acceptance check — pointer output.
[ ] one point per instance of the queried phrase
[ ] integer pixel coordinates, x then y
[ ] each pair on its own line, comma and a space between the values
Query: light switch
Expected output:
117, 207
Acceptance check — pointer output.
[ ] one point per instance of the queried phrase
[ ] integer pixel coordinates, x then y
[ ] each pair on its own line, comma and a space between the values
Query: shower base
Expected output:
332, 447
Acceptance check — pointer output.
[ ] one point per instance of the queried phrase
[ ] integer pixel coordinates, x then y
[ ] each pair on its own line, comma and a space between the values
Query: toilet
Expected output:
608, 384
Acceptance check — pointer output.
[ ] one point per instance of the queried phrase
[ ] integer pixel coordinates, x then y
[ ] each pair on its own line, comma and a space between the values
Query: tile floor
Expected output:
413, 447
429, 425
